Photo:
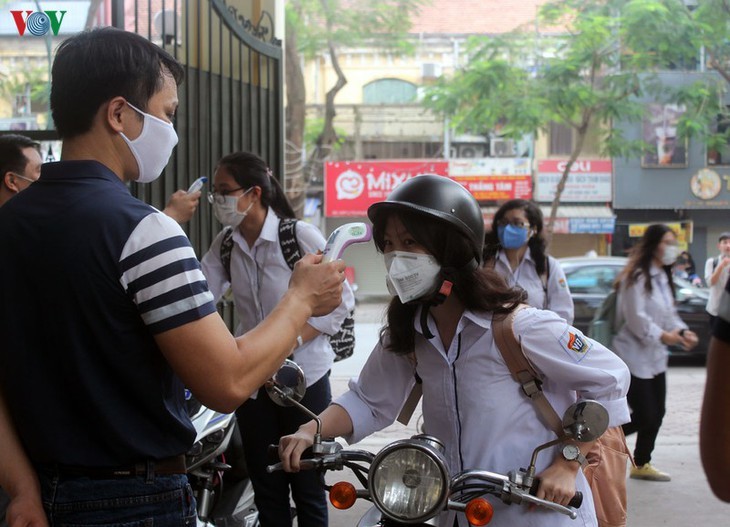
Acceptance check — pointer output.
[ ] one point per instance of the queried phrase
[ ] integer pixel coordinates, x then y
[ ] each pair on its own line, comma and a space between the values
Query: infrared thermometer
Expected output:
197, 184
344, 236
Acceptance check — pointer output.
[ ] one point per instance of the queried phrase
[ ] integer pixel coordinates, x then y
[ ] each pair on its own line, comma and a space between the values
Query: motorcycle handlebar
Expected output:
304, 464
517, 493
334, 461
576, 501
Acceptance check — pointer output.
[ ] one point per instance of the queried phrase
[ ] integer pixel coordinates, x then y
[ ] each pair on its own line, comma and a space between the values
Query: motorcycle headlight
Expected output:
408, 479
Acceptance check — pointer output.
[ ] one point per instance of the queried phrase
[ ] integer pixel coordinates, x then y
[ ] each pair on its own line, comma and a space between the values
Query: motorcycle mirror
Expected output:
585, 421
288, 385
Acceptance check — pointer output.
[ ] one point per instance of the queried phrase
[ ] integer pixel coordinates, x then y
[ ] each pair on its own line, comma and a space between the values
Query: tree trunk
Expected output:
328, 137
91, 13
294, 180
582, 132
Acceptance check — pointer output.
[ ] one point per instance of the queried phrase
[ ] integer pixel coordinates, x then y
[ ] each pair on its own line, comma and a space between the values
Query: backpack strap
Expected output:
226, 249
545, 278
406, 412
288, 241
521, 369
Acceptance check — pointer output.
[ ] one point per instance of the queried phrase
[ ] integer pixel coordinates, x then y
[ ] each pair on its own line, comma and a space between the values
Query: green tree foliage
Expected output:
584, 64
317, 27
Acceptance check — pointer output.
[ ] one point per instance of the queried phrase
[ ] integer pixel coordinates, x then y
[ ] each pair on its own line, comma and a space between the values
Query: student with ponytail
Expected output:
247, 257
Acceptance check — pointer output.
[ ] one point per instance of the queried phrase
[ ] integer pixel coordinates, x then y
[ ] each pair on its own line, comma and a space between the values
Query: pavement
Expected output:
687, 499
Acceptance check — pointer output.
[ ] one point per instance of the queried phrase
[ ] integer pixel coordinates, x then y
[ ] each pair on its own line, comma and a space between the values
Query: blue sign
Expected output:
592, 225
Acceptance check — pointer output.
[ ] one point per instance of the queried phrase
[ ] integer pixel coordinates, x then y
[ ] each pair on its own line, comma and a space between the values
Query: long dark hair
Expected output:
249, 170
478, 288
641, 257
536, 243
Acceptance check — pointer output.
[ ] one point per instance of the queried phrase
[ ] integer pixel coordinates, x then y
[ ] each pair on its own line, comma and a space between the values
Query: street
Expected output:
685, 499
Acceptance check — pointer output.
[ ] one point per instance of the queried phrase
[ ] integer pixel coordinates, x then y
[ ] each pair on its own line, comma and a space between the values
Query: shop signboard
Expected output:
592, 225
589, 180
352, 186
684, 231
494, 179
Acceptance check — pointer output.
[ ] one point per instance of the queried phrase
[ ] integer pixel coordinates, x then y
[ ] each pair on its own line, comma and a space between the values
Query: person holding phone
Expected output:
717, 271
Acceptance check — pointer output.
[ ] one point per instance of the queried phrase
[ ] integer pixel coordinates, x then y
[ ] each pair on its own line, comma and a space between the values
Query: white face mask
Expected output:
670, 254
153, 148
227, 212
411, 275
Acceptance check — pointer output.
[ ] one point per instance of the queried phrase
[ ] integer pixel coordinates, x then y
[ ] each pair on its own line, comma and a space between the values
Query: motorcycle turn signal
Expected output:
479, 512
343, 495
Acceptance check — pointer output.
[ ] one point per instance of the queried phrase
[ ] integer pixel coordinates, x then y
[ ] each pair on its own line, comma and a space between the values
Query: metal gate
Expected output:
232, 95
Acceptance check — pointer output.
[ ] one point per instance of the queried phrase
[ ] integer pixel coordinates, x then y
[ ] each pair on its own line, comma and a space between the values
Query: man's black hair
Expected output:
95, 66
12, 158
724, 236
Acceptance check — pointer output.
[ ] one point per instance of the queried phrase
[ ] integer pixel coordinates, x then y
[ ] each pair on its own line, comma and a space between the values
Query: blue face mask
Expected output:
512, 237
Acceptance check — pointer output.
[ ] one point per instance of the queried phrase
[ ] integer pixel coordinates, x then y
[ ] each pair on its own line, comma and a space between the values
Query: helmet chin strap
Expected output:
435, 299
443, 292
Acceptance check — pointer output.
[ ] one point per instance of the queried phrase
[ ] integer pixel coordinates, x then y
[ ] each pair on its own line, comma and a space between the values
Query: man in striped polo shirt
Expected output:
104, 313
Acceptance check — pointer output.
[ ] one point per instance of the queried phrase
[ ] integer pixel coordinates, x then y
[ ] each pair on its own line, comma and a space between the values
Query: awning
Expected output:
572, 219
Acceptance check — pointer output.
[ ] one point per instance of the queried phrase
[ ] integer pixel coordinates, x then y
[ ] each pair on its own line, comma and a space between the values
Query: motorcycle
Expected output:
408, 481
217, 470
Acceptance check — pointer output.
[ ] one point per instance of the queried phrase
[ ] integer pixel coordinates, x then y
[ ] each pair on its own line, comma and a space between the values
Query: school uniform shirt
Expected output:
526, 277
713, 302
260, 277
721, 328
472, 404
645, 316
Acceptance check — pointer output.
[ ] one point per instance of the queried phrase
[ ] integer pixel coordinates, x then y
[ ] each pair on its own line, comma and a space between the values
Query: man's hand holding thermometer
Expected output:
197, 184
344, 236
182, 204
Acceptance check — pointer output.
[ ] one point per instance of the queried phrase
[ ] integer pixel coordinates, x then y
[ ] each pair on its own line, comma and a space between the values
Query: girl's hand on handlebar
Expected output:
292, 446
557, 482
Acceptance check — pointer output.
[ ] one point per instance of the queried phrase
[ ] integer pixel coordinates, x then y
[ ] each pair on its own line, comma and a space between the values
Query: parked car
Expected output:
591, 279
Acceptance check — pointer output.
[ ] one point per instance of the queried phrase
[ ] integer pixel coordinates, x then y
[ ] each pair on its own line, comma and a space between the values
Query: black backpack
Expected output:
342, 342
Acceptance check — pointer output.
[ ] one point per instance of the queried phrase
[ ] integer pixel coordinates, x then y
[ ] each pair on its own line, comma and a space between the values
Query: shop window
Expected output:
720, 155
561, 140
389, 91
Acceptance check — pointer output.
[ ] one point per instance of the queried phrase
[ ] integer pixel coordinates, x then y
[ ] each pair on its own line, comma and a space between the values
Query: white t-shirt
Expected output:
713, 302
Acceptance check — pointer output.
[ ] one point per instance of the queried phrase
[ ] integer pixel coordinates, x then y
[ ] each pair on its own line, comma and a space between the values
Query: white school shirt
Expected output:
260, 277
713, 302
526, 277
472, 404
645, 317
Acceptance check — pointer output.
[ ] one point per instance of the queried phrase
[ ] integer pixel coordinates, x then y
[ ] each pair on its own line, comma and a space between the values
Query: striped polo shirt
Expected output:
91, 274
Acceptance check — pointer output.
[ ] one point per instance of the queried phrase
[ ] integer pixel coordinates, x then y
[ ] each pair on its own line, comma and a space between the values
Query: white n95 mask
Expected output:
411, 275
153, 148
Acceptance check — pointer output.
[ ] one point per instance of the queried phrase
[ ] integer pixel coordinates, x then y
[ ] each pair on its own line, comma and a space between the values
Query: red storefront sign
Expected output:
352, 186
487, 188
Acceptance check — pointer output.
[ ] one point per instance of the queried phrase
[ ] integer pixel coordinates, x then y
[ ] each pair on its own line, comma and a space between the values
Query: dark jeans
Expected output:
262, 422
162, 501
647, 399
